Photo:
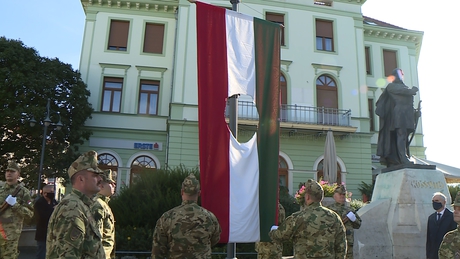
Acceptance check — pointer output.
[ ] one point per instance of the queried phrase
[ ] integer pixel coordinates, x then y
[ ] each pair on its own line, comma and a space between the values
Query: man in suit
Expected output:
439, 223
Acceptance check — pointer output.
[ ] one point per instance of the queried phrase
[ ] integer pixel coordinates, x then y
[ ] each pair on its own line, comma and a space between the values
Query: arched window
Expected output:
326, 92
326, 100
283, 90
282, 172
142, 164
320, 172
107, 161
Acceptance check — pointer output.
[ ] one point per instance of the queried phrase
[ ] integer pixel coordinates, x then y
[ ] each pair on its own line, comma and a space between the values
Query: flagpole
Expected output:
233, 125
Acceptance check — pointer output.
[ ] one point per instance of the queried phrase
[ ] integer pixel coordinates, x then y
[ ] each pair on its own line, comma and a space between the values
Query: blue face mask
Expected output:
437, 205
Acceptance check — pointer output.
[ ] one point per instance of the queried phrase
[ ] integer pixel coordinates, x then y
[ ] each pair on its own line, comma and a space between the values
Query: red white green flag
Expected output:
238, 54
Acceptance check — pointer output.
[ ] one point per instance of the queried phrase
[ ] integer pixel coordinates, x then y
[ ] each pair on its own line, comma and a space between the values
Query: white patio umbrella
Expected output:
330, 159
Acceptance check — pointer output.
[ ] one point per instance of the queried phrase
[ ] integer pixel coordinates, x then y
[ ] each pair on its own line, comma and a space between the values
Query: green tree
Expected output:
138, 207
27, 81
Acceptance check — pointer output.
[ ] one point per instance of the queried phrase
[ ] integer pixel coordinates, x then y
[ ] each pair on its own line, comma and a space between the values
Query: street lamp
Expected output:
46, 123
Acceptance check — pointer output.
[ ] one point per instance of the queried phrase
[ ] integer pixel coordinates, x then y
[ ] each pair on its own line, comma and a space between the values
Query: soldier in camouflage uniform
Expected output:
15, 209
272, 250
450, 246
350, 219
316, 231
72, 229
188, 230
103, 214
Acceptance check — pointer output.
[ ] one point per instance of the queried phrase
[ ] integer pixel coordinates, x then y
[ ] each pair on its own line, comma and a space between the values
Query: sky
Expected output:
55, 29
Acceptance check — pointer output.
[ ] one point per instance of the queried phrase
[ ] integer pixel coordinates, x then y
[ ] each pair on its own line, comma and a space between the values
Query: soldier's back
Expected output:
317, 232
190, 229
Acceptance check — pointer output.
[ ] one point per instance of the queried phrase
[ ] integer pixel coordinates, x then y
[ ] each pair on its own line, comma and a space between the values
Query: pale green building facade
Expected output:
139, 62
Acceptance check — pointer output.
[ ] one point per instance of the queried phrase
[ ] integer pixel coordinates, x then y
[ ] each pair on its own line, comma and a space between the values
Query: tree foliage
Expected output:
27, 81
138, 207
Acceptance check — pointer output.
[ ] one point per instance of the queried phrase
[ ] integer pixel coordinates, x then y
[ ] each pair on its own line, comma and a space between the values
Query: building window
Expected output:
324, 35
153, 38
370, 103
282, 172
324, 2
283, 90
277, 18
326, 92
389, 61
111, 98
320, 172
326, 99
107, 161
118, 38
141, 165
367, 51
148, 97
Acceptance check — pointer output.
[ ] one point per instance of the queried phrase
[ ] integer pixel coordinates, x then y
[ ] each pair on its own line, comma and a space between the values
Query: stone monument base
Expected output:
394, 223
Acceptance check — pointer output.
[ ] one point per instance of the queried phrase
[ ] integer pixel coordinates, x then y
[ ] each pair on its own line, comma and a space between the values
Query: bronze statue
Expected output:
397, 118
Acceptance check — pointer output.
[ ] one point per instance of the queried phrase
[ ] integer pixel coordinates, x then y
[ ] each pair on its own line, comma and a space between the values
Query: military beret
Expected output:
191, 185
12, 166
340, 189
107, 176
313, 188
457, 200
87, 161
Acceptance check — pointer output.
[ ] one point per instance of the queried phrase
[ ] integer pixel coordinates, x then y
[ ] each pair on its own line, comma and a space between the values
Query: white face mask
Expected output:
401, 75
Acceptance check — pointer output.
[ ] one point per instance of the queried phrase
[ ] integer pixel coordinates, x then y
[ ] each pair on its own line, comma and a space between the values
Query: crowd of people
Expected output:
82, 224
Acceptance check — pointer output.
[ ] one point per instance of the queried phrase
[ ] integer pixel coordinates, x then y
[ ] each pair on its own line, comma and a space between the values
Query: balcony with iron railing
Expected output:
298, 114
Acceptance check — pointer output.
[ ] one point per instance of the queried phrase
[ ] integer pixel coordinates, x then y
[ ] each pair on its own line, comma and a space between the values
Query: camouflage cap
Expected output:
107, 176
87, 161
191, 185
12, 166
313, 188
457, 200
340, 189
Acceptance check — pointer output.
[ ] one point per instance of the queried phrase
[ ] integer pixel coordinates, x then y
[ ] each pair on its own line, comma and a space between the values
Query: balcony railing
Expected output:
298, 114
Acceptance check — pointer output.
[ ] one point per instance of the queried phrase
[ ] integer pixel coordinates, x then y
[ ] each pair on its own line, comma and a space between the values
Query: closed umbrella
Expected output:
330, 159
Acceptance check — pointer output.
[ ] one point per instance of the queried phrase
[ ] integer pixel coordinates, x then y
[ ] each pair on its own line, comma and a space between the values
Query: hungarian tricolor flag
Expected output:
238, 54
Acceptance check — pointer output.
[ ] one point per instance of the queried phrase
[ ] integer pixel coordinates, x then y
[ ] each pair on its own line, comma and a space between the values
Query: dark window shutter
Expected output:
118, 38
324, 29
368, 60
389, 61
153, 39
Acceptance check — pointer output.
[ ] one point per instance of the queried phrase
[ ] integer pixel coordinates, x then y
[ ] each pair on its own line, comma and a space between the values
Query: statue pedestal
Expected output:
394, 223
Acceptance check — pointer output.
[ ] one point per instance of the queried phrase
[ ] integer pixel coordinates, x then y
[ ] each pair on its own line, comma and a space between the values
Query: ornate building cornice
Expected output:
165, 6
372, 32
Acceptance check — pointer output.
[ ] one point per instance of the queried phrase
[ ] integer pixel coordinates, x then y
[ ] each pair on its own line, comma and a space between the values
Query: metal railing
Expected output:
298, 114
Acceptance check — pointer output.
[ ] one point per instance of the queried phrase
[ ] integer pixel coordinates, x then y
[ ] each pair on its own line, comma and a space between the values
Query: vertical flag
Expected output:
238, 54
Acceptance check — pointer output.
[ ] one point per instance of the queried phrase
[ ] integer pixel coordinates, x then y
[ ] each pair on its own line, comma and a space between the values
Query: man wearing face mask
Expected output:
439, 223
43, 208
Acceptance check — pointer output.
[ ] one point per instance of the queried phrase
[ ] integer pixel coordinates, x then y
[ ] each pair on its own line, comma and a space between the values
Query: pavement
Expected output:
27, 252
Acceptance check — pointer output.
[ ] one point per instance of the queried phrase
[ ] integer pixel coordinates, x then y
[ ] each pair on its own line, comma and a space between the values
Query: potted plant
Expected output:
328, 192
366, 191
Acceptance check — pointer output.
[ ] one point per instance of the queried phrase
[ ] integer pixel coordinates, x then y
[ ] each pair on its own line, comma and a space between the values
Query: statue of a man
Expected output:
397, 120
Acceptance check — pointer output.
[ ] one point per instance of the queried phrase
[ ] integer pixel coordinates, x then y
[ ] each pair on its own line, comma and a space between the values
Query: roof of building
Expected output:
372, 21
451, 173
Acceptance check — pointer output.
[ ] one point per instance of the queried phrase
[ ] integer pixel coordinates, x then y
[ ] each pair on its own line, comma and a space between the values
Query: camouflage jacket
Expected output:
12, 218
316, 231
72, 230
186, 231
342, 210
450, 246
106, 223
271, 250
